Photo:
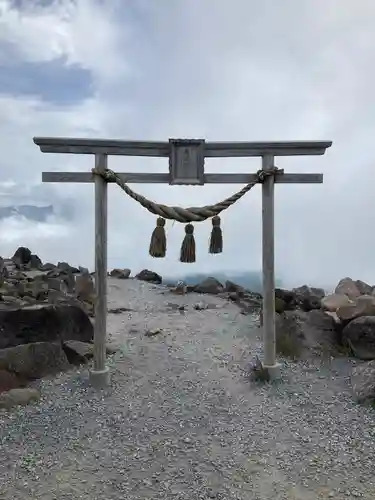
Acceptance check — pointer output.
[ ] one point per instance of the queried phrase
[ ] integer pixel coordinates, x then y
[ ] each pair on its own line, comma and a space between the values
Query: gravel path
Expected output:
182, 422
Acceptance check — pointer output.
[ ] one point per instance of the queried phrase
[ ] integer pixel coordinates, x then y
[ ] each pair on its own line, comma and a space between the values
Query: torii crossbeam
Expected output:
181, 173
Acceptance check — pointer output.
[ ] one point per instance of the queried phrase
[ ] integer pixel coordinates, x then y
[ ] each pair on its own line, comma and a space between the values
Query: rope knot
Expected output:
263, 174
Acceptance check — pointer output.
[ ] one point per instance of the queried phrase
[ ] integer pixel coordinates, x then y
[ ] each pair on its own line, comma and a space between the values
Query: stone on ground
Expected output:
209, 285
363, 381
121, 274
33, 361
44, 323
359, 335
149, 276
18, 397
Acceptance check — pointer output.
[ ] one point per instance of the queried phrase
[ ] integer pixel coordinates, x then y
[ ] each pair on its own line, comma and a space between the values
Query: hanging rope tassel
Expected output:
187, 253
216, 240
158, 243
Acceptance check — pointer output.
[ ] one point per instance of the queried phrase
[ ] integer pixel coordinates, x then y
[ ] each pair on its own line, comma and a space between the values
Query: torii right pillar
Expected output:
268, 256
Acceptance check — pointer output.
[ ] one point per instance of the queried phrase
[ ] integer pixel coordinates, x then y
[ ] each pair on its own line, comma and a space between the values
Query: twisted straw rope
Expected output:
191, 214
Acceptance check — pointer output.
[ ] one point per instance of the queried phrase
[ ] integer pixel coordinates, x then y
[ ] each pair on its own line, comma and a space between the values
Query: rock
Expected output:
48, 267
83, 270
364, 306
300, 333
35, 262
200, 306
334, 301
68, 281
347, 286
310, 303
44, 323
4, 273
290, 298
364, 288
153, 332
335, 318
308, 298
209, 285
121, 274
307, 291
22, 256
363, 381
54, 284
179, 289
33, 361
64, 266
9, 380
84, 288
18, 397
59, 299
280, 305
80, 352
233, 288
359, 336
149, 276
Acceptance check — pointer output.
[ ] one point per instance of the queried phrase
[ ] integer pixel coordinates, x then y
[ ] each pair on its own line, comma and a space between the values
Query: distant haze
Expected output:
251, 280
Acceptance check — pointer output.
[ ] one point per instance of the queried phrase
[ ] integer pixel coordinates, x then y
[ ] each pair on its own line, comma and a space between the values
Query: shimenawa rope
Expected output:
158, 244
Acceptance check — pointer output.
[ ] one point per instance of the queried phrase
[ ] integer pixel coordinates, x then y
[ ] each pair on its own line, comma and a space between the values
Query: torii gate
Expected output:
186, 166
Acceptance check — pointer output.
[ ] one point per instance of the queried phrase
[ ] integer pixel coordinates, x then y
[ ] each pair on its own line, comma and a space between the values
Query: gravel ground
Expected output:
181, 421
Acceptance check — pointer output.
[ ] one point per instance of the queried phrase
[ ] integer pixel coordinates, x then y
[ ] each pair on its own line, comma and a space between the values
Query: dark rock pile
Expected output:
45, 324
25, 281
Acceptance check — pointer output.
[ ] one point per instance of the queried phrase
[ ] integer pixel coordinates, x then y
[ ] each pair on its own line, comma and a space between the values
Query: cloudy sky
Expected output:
239, 70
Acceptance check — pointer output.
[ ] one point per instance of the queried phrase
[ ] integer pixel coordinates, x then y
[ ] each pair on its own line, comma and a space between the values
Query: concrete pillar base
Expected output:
274, 371
100, 379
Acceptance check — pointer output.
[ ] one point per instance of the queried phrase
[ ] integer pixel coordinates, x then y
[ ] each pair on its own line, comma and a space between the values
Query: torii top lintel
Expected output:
162, 148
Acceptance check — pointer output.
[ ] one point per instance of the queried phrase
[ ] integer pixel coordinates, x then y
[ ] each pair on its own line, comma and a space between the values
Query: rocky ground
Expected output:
182, 418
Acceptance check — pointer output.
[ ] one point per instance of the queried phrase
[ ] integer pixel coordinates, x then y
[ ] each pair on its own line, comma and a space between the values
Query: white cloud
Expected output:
240, 70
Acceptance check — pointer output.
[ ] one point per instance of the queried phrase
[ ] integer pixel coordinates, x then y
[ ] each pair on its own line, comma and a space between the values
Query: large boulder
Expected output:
335, 300
22, 256
33, 361
359, 336
43, 323
348, 287
364, 306
302, 334
149, 276
364, 288
363, 382
209, 285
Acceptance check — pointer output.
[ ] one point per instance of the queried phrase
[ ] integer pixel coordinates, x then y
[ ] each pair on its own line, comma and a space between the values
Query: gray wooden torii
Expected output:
186, 167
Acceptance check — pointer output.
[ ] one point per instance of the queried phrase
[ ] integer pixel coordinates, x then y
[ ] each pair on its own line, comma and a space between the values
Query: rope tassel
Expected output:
158, 243
187, 253
216, 240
